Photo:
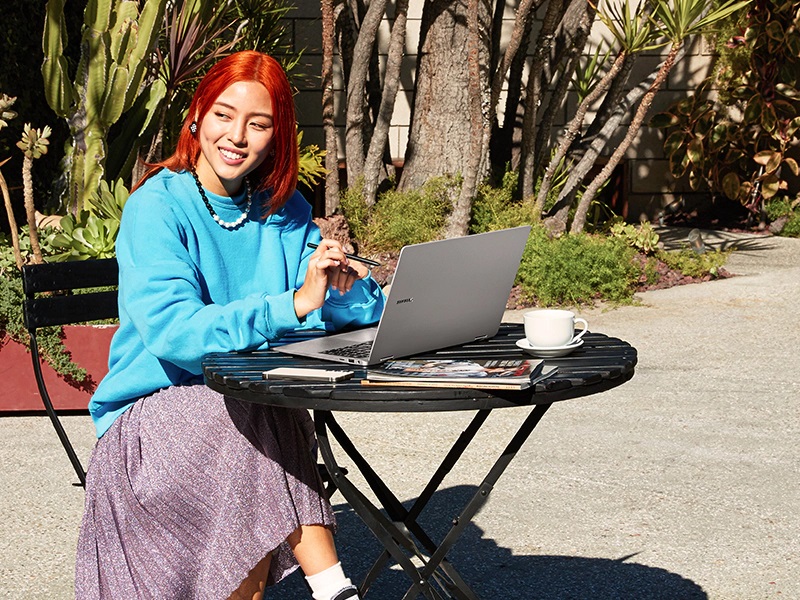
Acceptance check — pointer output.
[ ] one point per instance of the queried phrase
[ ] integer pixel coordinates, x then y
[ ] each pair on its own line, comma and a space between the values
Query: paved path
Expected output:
681, 484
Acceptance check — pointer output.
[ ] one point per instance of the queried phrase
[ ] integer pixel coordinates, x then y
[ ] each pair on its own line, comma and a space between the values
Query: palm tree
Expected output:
677, 20
633, 31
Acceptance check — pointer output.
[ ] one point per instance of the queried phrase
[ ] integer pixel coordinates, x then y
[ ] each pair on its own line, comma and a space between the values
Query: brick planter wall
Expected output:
89, 348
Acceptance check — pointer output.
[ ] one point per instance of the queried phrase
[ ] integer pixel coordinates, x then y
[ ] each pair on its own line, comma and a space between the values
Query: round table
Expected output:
600, 364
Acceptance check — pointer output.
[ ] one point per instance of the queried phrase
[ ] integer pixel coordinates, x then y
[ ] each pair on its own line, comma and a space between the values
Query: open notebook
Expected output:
444, 293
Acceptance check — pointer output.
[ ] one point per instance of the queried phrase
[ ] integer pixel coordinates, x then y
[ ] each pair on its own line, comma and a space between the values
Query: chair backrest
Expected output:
50, 299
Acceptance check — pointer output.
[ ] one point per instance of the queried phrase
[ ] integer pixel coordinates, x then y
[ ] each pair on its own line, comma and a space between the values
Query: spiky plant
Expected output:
633, 30
677, 21
34, 144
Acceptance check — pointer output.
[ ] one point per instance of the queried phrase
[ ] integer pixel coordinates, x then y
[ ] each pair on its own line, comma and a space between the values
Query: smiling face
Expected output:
235, 137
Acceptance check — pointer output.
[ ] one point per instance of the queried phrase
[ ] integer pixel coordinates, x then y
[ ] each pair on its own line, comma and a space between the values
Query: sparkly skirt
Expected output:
188, 490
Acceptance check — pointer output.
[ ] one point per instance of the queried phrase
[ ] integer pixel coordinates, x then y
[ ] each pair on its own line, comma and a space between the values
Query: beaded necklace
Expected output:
216, 217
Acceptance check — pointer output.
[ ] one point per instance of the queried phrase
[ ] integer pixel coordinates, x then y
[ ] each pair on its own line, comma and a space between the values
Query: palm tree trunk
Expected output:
579, 220
514, 43
377, 145
458, 220
533, 96
328, 123
591, 147
574, 28
574, 127
356, 86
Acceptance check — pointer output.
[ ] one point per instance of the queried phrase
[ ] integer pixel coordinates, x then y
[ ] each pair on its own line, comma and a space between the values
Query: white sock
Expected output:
327, 583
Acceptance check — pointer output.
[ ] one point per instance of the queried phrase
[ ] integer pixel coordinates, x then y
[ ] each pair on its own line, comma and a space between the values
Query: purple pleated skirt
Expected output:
188, 490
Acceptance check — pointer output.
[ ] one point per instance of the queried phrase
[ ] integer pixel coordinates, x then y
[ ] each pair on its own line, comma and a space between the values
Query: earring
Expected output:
193, 128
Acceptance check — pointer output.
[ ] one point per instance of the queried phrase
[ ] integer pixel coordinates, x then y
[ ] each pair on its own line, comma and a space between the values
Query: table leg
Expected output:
480, 497
383, 528
407, 519
397, 530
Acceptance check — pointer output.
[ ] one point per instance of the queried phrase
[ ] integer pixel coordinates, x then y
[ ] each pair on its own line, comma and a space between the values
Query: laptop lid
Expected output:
444, 293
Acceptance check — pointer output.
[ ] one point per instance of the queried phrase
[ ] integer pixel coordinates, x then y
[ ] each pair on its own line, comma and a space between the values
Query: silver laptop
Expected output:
444, 293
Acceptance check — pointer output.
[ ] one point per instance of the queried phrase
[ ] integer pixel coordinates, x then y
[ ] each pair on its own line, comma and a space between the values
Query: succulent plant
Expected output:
6, 114
34, 142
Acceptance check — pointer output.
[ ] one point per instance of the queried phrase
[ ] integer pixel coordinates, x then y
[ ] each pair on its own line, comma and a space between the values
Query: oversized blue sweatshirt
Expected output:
189, 287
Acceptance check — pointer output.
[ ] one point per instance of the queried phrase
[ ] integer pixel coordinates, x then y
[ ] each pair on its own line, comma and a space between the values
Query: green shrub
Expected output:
497, 208
355, 210
402, 218
50, 338
651, 270
792, 228
783, 207
576, 269
692, 264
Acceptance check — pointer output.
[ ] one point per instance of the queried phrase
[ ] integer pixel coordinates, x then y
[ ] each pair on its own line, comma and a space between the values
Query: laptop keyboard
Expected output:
360, 350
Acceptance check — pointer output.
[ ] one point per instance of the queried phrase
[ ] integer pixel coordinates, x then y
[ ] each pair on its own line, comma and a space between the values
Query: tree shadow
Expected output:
493, 571
677, 237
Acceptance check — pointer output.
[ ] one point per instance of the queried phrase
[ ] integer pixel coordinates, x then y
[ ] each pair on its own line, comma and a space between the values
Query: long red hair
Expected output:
278, 173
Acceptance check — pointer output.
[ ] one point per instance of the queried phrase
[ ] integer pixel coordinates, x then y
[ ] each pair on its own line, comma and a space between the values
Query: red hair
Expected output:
278, 172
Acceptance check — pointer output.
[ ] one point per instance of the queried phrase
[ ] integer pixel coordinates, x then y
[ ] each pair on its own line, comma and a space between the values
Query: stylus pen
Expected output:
360, 259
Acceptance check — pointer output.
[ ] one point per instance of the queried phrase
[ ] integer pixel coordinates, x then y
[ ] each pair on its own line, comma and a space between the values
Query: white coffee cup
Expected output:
552, 328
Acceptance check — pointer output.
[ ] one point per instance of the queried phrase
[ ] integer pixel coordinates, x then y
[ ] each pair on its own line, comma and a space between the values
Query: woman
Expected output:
191, 494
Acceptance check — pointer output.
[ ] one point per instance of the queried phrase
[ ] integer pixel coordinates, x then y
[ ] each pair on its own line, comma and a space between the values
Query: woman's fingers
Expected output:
342, 279
340, 272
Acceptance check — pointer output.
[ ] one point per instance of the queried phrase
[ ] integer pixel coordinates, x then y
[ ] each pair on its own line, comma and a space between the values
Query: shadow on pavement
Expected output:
675, 238
493, 571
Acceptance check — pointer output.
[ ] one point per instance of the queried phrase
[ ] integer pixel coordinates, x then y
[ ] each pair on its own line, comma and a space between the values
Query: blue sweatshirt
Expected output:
188, 287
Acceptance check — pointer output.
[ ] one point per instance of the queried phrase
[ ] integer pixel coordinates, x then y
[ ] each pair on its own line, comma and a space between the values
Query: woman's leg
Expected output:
252, 588
313, 548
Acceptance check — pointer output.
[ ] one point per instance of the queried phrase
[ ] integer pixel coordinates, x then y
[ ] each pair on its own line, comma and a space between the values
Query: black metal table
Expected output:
602, 363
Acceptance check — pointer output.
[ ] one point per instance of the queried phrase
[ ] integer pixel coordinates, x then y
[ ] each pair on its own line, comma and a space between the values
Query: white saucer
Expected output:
553, 352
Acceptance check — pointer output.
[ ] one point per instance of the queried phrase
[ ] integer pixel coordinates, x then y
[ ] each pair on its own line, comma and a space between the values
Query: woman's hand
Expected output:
328, 267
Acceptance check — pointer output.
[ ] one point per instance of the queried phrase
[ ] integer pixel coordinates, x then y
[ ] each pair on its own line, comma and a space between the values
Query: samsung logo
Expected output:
404, 301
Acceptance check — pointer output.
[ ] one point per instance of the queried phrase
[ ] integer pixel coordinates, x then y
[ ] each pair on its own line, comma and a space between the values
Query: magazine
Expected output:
484, 373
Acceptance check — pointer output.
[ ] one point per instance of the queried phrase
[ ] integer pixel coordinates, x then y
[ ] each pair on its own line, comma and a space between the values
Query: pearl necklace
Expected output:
225, 224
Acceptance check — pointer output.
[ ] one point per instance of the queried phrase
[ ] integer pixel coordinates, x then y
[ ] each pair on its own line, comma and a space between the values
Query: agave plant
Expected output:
92, 233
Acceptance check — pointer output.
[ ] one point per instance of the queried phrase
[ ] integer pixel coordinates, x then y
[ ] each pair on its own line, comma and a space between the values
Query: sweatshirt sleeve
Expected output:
167, 301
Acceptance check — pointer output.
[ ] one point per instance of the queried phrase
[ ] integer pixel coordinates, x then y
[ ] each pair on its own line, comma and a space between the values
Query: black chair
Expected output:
50, 299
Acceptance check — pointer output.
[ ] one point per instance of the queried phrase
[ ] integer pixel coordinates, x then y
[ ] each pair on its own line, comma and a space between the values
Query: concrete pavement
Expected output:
680, 484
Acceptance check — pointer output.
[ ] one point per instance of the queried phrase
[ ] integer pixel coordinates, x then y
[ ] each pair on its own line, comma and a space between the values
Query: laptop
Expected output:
444, 293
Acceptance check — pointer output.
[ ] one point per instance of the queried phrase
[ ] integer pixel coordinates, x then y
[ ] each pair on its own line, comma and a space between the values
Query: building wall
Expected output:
648, 185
